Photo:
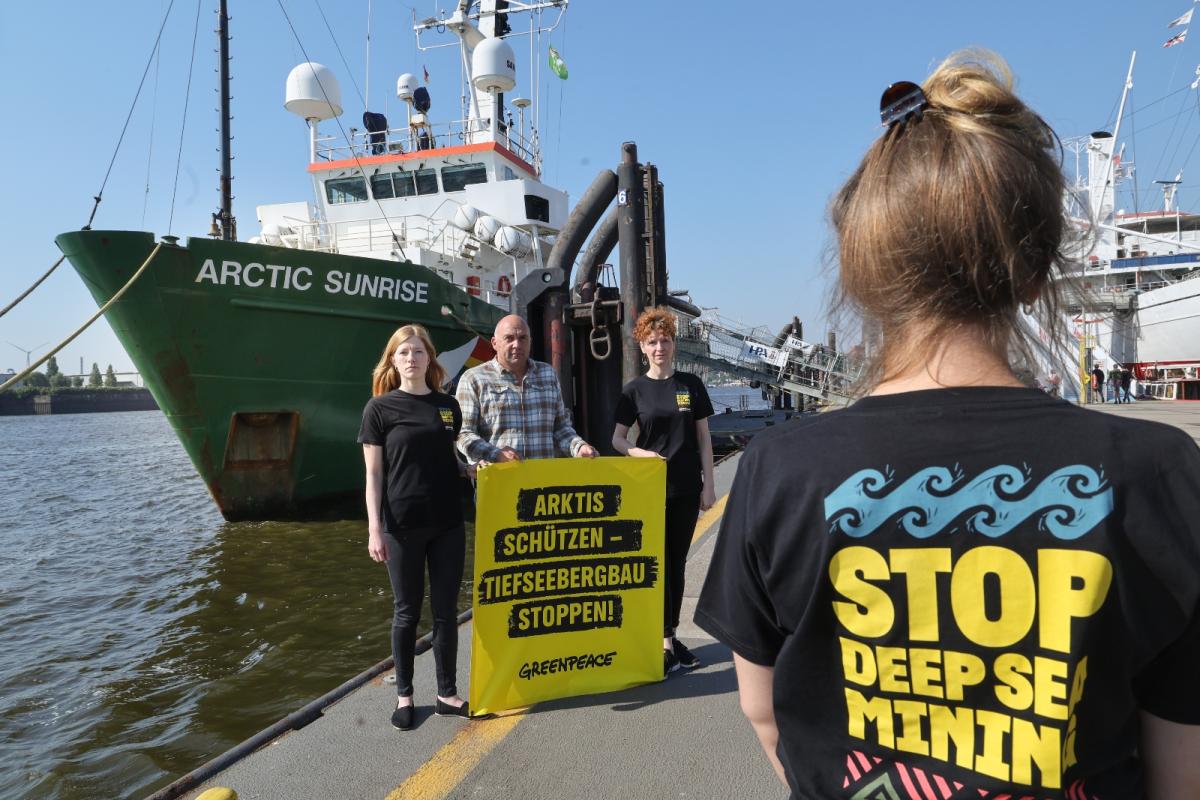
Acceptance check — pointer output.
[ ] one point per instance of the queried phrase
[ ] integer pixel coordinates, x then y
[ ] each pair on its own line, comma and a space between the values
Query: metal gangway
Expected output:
755, 355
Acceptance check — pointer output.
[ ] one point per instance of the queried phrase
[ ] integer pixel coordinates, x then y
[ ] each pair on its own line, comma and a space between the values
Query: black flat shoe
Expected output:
402, 718
447, 710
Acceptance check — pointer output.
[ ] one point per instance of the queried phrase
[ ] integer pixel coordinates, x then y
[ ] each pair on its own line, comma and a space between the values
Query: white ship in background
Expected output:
1135, 298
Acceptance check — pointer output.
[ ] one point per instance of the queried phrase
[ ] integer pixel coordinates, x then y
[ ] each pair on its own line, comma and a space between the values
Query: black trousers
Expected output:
681, 525
408, 553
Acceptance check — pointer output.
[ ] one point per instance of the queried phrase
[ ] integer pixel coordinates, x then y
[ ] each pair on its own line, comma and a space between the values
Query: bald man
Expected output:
512, 406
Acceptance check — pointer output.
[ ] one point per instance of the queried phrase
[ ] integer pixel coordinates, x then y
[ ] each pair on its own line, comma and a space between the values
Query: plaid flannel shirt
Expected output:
528, 416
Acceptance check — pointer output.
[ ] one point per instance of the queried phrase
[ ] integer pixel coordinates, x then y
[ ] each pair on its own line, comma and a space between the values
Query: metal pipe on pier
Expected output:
597, 252
567, 245
679, 304
554, 333
631, 220
582, 219
656, 239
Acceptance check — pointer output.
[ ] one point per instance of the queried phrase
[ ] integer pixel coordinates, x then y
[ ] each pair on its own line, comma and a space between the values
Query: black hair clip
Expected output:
902, 101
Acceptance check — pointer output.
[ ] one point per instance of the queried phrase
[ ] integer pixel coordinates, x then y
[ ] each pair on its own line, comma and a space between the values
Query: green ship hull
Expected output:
261, 356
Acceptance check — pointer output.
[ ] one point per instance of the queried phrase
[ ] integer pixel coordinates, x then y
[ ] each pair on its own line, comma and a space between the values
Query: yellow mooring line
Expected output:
442, 773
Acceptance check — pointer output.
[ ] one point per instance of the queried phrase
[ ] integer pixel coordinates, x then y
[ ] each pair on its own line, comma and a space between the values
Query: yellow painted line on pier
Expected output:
439, 776
710, 517
442, 773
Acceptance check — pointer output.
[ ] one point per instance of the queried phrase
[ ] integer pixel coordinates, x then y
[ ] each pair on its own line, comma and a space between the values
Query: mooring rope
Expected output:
29, 370
36, 284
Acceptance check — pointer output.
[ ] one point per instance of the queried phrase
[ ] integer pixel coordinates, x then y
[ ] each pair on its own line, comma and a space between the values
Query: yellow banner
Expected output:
568, 593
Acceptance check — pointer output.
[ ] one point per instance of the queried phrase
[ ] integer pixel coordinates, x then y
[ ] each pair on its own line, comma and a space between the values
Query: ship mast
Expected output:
490, 20
224, 224
1108, 166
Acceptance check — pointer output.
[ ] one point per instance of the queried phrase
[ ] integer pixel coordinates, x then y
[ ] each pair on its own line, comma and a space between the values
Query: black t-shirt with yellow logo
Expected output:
666, 412
420, 466
964, 593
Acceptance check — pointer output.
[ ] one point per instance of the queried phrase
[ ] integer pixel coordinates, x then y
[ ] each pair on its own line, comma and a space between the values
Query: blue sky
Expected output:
754, 113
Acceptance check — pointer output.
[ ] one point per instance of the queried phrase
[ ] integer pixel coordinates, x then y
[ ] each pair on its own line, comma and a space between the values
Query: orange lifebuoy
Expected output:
473, 285
503, 285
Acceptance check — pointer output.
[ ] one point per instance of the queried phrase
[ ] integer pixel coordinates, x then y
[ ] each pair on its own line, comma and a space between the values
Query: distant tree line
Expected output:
53, 380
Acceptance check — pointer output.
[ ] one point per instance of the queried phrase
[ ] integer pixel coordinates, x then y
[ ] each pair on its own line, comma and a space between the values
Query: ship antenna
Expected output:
227, 223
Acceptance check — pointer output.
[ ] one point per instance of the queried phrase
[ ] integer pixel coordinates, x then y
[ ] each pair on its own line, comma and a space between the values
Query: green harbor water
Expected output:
142, 634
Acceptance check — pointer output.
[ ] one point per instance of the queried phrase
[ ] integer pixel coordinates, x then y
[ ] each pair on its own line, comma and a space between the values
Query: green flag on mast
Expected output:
557, 65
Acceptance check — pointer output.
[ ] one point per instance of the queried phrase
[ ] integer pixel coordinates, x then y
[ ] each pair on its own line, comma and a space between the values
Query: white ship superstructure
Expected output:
1135, 298
463, 198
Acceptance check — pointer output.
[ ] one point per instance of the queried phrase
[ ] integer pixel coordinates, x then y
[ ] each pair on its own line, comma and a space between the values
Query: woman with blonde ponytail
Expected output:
414, 507
960, 587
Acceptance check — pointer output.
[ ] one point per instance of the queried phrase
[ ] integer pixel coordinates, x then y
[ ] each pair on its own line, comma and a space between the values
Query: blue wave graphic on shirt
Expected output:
1068, 503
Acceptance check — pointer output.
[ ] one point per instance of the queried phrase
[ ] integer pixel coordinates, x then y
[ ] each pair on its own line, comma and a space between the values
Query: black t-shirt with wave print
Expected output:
964, 593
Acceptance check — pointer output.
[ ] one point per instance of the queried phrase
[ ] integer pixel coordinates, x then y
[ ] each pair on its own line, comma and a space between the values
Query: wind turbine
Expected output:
29, 353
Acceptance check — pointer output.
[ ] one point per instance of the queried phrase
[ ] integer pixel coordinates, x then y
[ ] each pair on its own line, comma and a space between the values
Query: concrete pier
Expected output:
683, 738
1183, 414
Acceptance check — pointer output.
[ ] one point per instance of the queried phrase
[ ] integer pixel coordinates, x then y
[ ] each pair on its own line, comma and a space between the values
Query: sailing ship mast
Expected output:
224, 224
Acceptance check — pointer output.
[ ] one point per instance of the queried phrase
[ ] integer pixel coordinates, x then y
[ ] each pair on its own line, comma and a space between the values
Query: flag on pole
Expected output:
1182, 20
1196, 83
557, 65
1176, 39
426, 71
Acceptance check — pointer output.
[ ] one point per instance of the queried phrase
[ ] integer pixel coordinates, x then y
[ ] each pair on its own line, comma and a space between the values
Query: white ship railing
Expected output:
410, 140
1159, 390
1120, 296
369, 237
362, 236
1085, 298
374, 234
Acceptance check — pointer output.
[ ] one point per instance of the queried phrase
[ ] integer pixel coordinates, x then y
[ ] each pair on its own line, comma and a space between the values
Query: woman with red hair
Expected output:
671, 410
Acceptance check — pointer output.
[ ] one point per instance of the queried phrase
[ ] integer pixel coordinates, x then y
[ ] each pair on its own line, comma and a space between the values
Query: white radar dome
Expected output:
493, 66
313, 92
406, 84
486, 228
466, 217
513, 242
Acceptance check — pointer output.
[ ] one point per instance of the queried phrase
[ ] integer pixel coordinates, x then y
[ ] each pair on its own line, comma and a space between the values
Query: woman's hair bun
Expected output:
973, 82
954, 218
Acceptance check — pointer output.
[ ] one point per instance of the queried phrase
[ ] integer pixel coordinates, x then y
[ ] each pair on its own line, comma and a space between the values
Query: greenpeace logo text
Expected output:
549, 666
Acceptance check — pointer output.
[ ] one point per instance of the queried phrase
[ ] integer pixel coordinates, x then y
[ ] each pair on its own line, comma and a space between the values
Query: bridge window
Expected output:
381, 187
537, 208
392, 184
427, 181
458, 177
346, 190
404, 184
